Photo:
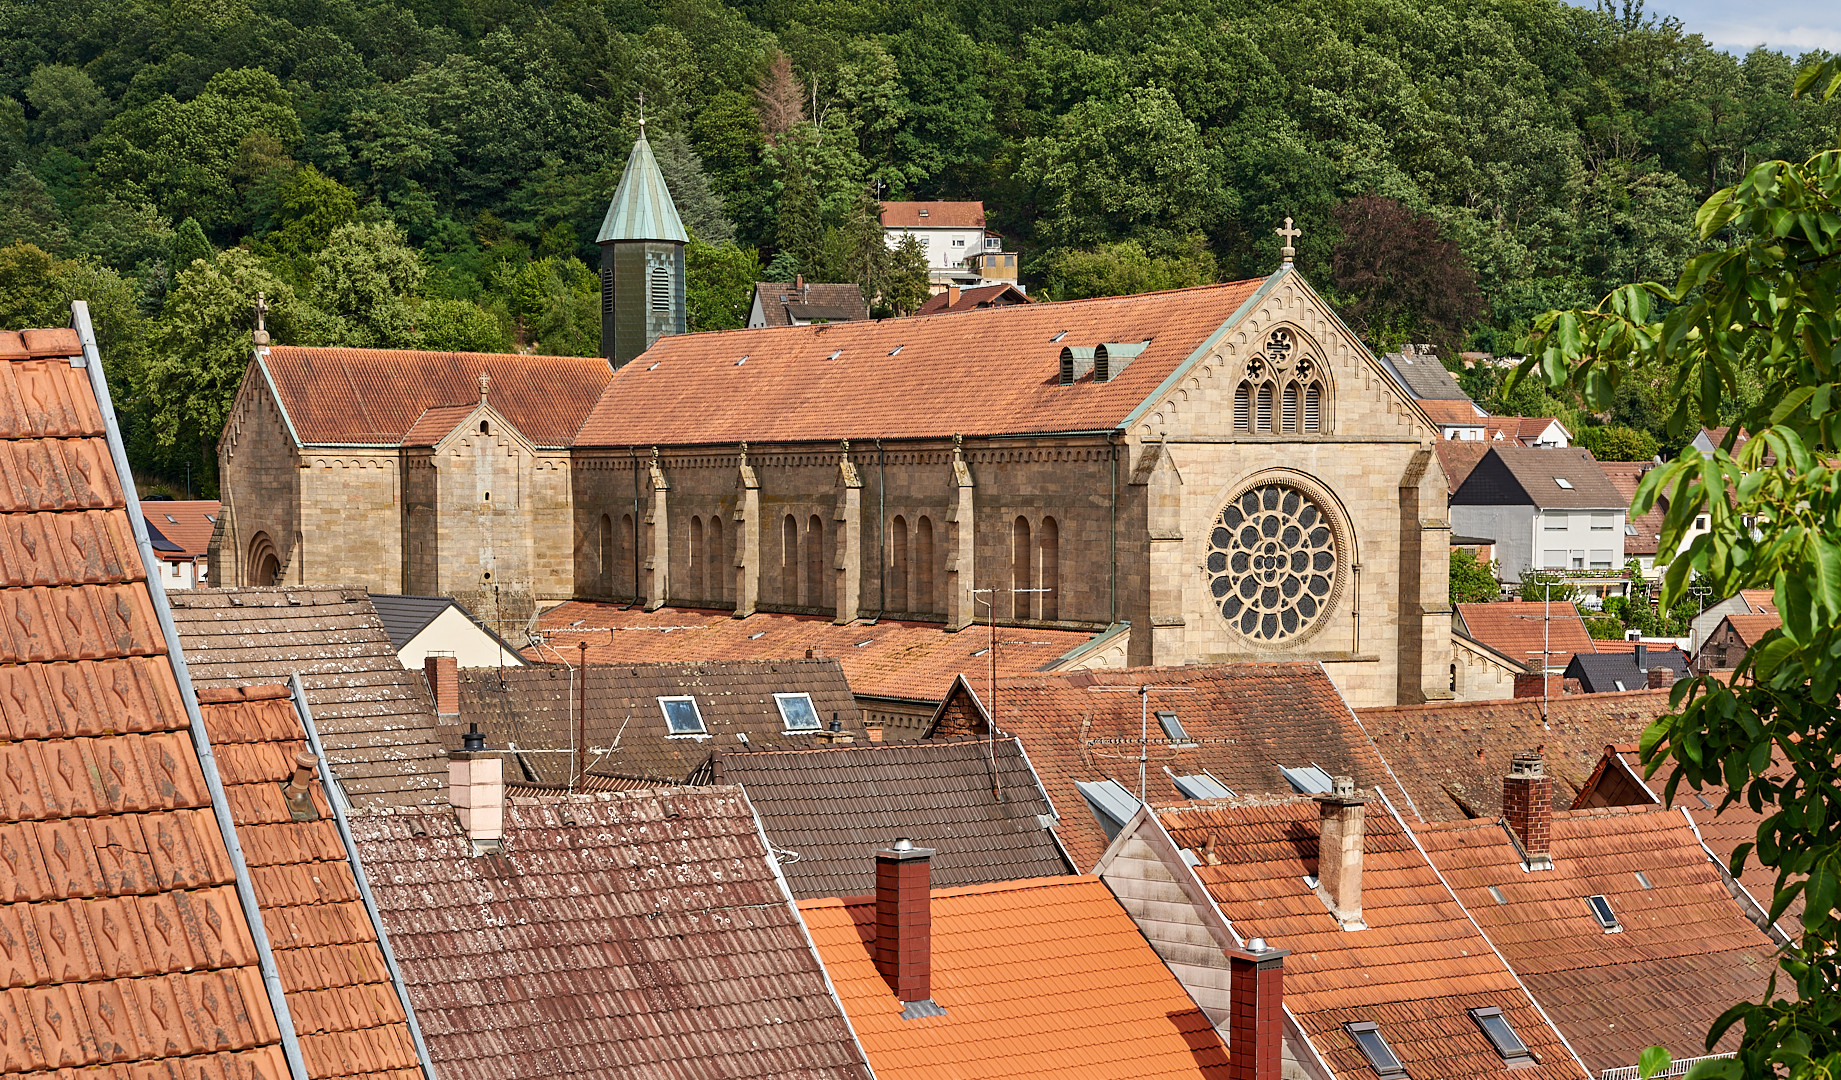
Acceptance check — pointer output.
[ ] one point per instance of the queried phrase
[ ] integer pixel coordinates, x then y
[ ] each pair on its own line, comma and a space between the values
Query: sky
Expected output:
1789, 26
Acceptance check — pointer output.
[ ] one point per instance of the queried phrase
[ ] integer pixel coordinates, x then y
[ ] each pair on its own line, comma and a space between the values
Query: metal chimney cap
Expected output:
473, 739
1256, 945
903, 844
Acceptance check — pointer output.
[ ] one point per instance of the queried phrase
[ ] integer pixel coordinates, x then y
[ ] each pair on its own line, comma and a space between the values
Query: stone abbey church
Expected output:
1218, 473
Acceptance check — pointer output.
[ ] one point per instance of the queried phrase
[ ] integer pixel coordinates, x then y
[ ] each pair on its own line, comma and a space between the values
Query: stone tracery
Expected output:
1272, 562
1283, 388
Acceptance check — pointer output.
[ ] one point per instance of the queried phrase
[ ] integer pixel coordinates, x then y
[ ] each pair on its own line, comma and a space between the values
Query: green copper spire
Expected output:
642, 209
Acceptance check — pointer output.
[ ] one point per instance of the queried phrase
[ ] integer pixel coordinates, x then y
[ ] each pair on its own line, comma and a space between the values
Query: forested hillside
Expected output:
431, 172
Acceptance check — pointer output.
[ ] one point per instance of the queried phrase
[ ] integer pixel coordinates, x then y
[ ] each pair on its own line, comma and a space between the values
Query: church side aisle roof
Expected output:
374, 397
982, 372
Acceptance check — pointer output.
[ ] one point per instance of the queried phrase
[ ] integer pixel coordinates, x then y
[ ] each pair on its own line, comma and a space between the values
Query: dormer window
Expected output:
1172, 727
1373, 1045
1501, 1035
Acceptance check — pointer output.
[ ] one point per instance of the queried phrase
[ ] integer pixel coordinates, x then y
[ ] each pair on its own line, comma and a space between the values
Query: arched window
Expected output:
699, 568
604, 556
713, 556
1288, 410
658, 289
629, 543
1021, 555
898, 564
1313, 408
1263, 422
1285, 369
815, 562
1050, 545
922, 595
1243, 407
789, 560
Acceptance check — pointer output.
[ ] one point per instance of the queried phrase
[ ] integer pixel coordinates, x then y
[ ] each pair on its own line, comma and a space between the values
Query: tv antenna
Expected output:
1144, 692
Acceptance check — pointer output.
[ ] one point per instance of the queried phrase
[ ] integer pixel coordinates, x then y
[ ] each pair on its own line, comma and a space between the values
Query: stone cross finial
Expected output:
1291, 235
260, 335
642, 110
485, 386
744, 460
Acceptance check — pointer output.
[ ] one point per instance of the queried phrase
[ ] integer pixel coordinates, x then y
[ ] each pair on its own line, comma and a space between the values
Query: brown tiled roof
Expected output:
376, 720
1458, 458
587, 784
345, 1009
530, 707
981, 297
940, 215
1762, 601
1244, 721
1529, 476
1452, 757
185, 522
892, 659
1415, 971
1625, 476
1047, 978
374, 396
977, 803
1523, 629
782, 301
1684, 955
620, 935
982, 372
1516, 429
1750, 628
119, 918
436, 423
1447, 411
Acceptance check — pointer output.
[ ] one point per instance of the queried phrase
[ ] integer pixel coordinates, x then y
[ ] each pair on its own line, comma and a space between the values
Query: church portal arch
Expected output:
264, 561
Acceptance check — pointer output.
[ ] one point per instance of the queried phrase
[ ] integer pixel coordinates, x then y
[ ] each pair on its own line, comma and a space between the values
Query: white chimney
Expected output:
476, 790
1339, 853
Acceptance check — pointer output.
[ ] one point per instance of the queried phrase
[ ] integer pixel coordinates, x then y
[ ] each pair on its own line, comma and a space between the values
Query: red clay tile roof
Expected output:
436, 423
1043, 978
1452, 757
1514, 429
1458, 458
1452, 412
1243, 721
531, 708
911, 660
123, 944
639, 934
185, 522
1762, 601
940, 215
1624, 476
345, 1009
376, 720
981, 372
970, 299
1528, 631
1684, 955
373, 397
832, 805
1750, 628
1417, 969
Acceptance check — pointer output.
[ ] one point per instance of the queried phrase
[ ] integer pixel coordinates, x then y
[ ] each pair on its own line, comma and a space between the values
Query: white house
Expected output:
952, 233
1547, 509
422, 625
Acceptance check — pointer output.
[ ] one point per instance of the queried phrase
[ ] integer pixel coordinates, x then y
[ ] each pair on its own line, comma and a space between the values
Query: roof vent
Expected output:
1113, 357
1076, 363
923, 212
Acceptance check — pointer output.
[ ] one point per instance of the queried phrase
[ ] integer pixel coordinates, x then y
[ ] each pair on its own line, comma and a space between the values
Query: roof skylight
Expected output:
1496, 894
1059, 336
1110, 802
757, 635
1369, 1040
796, 712
1601, 911
1643, 880
682, 716
896, 351
742, 361
1307, 779
1172, 727
1563, 482
1202, 786
1501, 1035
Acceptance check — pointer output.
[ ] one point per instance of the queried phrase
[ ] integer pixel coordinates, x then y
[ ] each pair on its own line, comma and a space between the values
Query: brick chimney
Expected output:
904, 925
1661, 677
952, 295
872, 730
1339, 853
1529, 685
476, 790
443, 674
1527, 809
1256, 1016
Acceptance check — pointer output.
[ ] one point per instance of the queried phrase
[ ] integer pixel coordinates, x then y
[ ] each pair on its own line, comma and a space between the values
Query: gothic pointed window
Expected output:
1285, 378
1243, 402
1264, 420
1313, 408
1288, 415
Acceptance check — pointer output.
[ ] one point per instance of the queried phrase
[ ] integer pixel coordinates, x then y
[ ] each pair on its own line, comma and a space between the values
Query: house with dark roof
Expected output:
1380, 972
1617, 920
982, 296
1098, 739
799, 303
1644, 668
976, 802
181, 531
423, 625
1550, 510
560, 724
1419, 372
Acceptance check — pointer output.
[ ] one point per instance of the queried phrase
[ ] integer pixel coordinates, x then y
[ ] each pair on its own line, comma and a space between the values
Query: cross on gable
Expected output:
1291, 235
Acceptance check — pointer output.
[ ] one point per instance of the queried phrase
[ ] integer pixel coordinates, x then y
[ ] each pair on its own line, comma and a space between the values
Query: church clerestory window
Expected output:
1272, 562
1282, 391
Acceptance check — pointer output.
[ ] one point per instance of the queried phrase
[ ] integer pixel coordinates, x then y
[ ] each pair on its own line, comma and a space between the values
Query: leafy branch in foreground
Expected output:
1759, 310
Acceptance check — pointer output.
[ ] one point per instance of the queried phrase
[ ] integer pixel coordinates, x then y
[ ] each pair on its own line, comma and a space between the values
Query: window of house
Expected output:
1009, 260
1307, 779
1700, 522
1601, 560
1373, 1045
1202, 786
658, 288
1553, 560
1629, 529
1172, 727
1501, 1035
1563, 482
796, 712
1601, 911
1603, 521
1556, 522
682, 716
958, 241
1578, 562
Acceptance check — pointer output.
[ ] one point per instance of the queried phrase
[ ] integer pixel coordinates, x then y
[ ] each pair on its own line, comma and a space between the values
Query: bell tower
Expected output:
642, 260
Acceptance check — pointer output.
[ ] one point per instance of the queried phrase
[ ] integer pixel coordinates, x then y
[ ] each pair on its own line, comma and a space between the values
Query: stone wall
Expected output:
256, 468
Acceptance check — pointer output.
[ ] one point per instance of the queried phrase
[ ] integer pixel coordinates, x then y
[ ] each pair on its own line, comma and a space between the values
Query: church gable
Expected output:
1283, 364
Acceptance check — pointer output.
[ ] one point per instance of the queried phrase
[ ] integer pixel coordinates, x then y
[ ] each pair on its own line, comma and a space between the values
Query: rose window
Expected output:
1272, 562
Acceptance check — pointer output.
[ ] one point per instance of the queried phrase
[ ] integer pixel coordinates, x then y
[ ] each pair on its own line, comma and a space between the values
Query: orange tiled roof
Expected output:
1417, 969
1625, 476
1515, 429
1042, 978
909, 660
1522, 629
345, 1009
1243, 721
987, 371
1762, 601
1750, 628
374, 397
435, 423
940, 215
1685, 952
1452, 412
187, 523
969, 299
1452, 757
122, 941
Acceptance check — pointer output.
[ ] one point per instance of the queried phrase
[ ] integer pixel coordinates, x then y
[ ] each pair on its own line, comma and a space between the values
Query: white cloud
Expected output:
1792, 27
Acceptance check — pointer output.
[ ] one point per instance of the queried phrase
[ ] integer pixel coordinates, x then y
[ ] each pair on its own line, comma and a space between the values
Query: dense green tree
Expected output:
311, 208
1473, 581
906, 280
1404, 281
27, 213
368, 278
1124, 268
719, 284
457, 326
69, 106
1614, 442
190, 245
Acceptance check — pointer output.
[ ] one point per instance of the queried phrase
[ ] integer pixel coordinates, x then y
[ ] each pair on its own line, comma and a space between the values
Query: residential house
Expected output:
600, 937
1458, 421
1535, 634
1643, 532
376, 719
1102, 741
1548, 510
798, 303
181, 534
1616, 920
1643, 668
1458, 458
1746, 602
983, 296
899, 669
1732, 639
1044, 978
1543, 432
1385, 976
1417, 370
559, 724
420, 626
995, 266
975, 802
951, 233
1709, 439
